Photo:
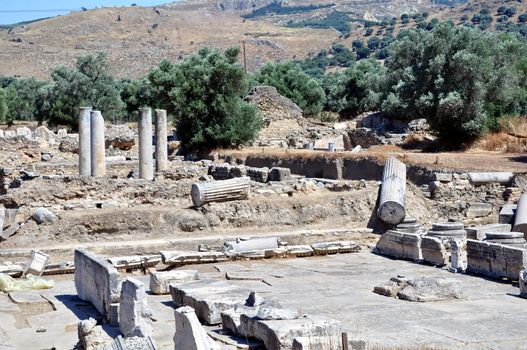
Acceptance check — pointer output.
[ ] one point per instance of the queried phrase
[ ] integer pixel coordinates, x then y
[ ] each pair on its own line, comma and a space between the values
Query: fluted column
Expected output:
220, 191
161, 140
391, 203
146, 160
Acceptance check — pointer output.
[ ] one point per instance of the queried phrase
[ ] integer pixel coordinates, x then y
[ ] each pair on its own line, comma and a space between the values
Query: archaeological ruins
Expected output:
309, 239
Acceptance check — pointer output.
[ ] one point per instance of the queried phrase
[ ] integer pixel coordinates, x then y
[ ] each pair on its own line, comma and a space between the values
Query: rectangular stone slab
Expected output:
479, 232
209, 298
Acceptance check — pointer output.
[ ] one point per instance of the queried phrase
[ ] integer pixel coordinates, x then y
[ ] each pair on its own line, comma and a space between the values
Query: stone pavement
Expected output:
338, 286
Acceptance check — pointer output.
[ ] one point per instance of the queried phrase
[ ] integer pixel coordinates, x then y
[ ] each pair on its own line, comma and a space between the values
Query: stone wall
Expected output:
98, 282
495, 260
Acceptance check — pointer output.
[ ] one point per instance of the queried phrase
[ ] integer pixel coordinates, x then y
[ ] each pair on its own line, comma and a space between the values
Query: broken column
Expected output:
84, 141
146, 161
520, 221
503, 178
448, 230
161, 140
97, 144
219, 191
134, 312
391, 204
190, 334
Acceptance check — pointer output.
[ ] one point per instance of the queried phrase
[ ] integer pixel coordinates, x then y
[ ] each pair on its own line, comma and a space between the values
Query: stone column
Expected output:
97, 145
161, 140
220, 191
391, 203
520, 219
146, 160
84, 142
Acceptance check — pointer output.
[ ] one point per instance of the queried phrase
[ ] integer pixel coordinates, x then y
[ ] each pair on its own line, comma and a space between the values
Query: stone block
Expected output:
516, 260
258, 174
434, 251
478, 257
315, 343
478, 210
160, 280
209, 298
479, 232
412, 246
391, 244
498, 265
507, 214
230, 319
96, 281
443, 177
458, 255
280, 334
190, 335
279, 174
134, 312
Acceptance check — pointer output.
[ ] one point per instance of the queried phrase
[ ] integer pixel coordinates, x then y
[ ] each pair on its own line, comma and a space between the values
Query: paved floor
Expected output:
338, 286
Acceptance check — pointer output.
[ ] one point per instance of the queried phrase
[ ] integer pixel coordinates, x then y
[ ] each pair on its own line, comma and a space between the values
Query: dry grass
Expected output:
511, 139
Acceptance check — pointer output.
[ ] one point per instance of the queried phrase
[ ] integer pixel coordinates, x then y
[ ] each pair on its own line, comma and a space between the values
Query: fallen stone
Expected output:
24, 132
191, 257
160, 281
209, 298
190, 335
434, 251
443, 177
43, 215
458, 257
300, 250
231, 322
389, 289
258, 174
479, 232
91, 336
134, 312
315, 343
335, 247
271, 313
280, 334
479, 210
400, 245
424, 289
251, 244
37, 263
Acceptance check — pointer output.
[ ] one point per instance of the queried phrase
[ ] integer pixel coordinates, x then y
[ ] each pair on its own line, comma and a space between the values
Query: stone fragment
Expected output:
503, 178
24, 132
98, 282
335, 247
160, 280
507, 214
43, 134
434, 251
37, 263
280, 334
400, 245
43, 215
523, 283
443, 177
191, 257
248, 245
458, 257
389, 289
134, 312
209, 298
478, 257
300, 250
119, 137
190, 335
425, 289
279, 174
271, 313
479, 232
91, 336
220, 191
315, 343
478, 210
231, 319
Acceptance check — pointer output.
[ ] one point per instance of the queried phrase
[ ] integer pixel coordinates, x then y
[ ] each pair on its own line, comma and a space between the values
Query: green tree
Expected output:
89, 83
204, 92
3, 105
459, 78
363, 88
290, 81
135, 94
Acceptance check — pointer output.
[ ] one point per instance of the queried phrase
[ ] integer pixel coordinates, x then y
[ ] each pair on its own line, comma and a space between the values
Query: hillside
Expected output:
138, 37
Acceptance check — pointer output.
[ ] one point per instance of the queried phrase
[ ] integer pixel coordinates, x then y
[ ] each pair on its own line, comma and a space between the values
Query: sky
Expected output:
14, 11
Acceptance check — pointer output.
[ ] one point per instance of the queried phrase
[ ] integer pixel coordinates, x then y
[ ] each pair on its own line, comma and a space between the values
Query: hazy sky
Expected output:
13, 11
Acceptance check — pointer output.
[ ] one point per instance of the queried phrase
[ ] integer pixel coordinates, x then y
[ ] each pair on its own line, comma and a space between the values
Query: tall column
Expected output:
84, 142
161, 140
98, 162
146, 160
